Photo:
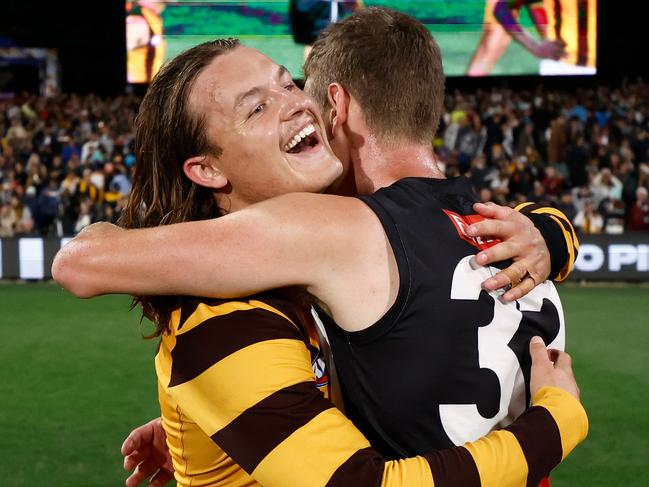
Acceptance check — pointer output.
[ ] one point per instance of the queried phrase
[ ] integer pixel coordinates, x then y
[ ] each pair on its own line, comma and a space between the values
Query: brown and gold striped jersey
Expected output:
241, 406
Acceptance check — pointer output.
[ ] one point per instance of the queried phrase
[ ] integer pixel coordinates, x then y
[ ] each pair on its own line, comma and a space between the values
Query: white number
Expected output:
463, 422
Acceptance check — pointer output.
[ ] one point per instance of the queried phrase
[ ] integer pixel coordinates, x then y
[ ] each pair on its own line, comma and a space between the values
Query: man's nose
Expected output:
294, 103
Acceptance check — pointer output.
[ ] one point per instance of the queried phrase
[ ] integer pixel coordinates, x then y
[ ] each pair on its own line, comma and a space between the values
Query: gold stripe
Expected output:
204, 312
572, 251
153, 19
408, 472
547, 210
163, 357
562, 406
570, 29
197, 460
572, 241
592, 33
520, 207
241, 380
499, 459
322, 446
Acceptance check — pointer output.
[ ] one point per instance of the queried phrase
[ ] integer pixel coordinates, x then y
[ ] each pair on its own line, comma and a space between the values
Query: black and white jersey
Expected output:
449, 361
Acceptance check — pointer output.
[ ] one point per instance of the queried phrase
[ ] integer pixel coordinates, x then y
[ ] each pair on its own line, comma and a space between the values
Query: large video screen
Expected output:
477, 37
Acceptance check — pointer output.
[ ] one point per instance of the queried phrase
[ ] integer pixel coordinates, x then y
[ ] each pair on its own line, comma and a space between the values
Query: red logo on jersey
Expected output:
462, 222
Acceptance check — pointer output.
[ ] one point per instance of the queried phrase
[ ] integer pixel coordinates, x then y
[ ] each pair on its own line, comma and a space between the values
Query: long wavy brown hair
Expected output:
167, 134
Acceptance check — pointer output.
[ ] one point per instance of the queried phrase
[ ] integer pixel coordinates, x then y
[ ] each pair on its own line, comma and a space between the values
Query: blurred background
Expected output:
547, 101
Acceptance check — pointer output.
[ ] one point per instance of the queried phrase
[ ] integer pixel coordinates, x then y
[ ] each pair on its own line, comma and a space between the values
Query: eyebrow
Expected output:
243, 97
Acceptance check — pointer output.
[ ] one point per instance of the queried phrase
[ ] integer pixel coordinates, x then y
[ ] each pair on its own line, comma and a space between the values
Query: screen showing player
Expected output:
477, 37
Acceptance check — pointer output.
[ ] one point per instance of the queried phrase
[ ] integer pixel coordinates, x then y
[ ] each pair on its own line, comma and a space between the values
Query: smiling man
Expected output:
238, 371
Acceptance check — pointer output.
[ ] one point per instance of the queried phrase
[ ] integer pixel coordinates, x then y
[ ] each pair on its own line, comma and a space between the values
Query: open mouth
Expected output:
304, 140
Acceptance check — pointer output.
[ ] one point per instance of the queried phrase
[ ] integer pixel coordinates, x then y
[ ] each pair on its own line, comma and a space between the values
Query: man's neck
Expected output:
378, 165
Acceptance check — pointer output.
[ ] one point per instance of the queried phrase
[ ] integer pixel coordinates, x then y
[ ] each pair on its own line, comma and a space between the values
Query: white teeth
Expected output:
305, 132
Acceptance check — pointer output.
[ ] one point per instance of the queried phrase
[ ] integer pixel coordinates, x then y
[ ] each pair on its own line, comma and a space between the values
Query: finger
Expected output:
520, 290
492, 210
488, 228
139, 436
539, 353
131, 461
512, 275
485, 209
134, 459
136, 478
498, 253
149, 466
161, 478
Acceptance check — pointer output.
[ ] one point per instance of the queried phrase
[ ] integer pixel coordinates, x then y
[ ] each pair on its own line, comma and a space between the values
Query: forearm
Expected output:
296, 239
526, 451
225, 257
121, 261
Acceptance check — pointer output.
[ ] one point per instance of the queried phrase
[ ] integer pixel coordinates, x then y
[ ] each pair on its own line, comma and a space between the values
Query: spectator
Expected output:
559, 146
588, 221
24, 224
612, 210
605, 186
639, 211
552, 183
48, 209
85, 216
7, 220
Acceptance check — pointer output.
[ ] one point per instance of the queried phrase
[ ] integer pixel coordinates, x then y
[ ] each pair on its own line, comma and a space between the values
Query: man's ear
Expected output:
339, 104
199, 170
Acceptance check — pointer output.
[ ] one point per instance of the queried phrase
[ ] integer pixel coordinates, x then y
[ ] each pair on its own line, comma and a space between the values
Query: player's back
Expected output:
449, 361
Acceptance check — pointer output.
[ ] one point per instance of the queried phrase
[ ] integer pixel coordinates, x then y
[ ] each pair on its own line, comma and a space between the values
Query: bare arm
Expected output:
323, 243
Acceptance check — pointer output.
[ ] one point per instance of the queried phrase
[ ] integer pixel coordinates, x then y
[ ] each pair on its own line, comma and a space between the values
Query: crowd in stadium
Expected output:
67, 162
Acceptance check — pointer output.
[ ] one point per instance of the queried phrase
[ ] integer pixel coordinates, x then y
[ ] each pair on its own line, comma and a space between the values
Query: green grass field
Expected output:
76, 376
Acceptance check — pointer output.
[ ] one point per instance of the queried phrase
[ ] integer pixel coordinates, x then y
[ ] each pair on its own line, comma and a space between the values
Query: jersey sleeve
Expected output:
245, 378
559, 235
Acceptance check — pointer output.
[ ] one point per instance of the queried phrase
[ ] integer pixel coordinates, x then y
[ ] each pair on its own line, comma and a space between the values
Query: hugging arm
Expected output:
315, 241
283, 432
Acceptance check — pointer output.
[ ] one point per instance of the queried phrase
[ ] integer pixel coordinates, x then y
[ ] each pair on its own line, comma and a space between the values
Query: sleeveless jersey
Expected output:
448, 362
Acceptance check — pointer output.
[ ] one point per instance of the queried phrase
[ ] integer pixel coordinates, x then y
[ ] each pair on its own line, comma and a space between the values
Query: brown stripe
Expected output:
269, 422
582, 39
225, 334
567, 227
453, 467
540, 440
365, 467
557, 19
189, 305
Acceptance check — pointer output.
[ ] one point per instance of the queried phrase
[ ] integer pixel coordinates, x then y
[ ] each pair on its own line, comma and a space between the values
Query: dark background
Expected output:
89, 36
